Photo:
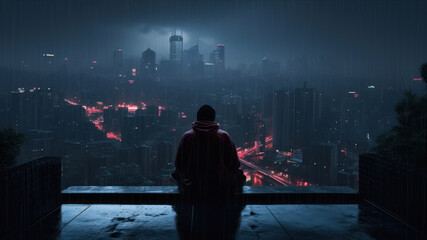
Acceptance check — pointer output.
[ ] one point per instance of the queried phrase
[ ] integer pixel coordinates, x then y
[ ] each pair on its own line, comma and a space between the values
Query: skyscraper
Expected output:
149, 58
283, 120
148, 63
193, 62
118, 60
145, 160
306, 115
321, 162
176, 53
217, 57
221, 58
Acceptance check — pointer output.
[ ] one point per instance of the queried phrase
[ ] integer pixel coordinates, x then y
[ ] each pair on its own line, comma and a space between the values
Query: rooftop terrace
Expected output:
335, 221
34, 207
152, 212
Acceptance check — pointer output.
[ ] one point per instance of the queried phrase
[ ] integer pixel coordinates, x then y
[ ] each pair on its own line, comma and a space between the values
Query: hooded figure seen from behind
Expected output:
206, 161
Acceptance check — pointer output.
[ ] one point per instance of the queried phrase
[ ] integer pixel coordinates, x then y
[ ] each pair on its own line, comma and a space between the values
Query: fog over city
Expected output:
363, 38
213, 119
302, 86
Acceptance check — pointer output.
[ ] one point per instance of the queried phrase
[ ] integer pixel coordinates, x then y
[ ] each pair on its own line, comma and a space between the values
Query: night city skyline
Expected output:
320, 104
139, 90
355, 34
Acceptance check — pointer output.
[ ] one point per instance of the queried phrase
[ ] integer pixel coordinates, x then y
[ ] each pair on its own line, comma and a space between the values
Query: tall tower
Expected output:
283, 120
148, 63
306, 112
118, 60
221, 55
176, 53
117, 57
217, 57
149, 58
193, 62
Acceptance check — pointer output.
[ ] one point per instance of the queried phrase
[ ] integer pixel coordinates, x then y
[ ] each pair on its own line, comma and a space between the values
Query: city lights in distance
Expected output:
161, 109
131, 107
115, 136
418, 79
71, 102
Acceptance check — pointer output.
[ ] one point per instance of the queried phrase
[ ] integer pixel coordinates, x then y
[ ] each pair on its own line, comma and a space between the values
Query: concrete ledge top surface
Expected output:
174, 190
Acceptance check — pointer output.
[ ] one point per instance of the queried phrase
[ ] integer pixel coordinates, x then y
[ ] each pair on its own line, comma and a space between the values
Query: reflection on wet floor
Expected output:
207, 221
75, 222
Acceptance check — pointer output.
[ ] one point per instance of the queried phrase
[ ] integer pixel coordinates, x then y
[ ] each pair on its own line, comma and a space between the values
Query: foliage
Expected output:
407, 142
10, 146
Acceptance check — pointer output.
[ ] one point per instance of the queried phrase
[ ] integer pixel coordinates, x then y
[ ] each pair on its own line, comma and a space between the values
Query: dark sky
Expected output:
367, 36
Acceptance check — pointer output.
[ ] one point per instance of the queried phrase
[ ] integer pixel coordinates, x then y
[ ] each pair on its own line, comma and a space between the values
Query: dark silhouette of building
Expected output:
295, 117
145, 160
148, 67
217, 58
321, 162
283, 120
118, 60
193, 62
221, 58
306, 115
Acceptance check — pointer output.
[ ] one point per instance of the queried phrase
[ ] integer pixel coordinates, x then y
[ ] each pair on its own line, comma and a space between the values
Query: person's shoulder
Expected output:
223, 134
189, 134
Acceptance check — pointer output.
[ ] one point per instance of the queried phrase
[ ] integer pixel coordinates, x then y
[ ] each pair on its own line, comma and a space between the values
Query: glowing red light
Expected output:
144, 106
71, 102
131, 107
418, 79
92, 110
131, 81
115, 136
160, 110
356, 95
98, 124
93, 61
220, 45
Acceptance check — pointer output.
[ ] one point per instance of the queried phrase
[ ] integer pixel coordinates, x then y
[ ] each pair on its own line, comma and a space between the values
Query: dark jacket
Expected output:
207, 160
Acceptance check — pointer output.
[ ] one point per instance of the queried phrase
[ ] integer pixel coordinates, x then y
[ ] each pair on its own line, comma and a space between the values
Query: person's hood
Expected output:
205, 127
